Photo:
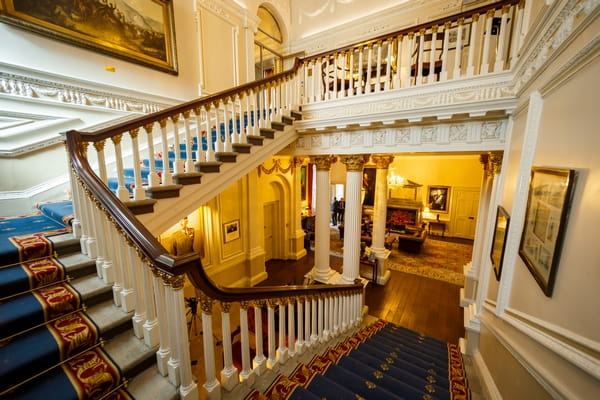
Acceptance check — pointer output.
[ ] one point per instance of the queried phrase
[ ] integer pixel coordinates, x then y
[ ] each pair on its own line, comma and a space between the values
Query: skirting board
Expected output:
489, 386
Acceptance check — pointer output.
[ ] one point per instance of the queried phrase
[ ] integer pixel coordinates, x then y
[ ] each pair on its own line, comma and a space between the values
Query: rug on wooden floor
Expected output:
438, 259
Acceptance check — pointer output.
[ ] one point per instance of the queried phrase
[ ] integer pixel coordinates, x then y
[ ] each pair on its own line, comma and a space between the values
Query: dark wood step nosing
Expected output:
226, 156
208, 166
163, 191
188, 178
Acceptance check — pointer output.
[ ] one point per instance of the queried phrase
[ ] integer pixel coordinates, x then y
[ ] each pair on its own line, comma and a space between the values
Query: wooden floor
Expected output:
425, 305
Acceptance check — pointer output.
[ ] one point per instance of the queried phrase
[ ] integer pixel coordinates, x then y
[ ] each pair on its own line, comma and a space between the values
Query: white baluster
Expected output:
189, 157
200, 153
313, 314
226, 127
89, 240
399, 60
140, 306
259, 362
516, 36
368, 88
290, 331
138, 191
153, 178
122, 192
361, 82
247, 375
282, 351
212, 387
326, 331
445, 45
485, 53
320, 319
502, 38
300, 327
458, 50
178, 163
272, 360
210, 150
229, 373
307, 319
166, 178
432, 55
388, 64
419, 73
411, 46
151, 327
471, 59
188, 390
164, 351
128, 295
378, 71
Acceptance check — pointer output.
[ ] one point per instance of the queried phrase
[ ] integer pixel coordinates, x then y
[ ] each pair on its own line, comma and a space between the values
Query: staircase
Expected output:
381, 361
33, 366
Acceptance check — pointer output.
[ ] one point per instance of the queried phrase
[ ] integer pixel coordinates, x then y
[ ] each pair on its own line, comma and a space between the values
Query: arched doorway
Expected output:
268, 45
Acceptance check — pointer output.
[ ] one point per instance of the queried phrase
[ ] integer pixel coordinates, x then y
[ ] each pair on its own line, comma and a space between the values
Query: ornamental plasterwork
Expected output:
561, 29
490, 134
22, 86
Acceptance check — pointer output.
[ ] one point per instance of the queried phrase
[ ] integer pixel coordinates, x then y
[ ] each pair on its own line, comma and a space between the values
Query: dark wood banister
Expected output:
147, 244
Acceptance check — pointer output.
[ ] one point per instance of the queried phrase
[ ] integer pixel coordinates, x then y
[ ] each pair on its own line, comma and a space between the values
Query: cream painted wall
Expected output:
22, 48
566, 140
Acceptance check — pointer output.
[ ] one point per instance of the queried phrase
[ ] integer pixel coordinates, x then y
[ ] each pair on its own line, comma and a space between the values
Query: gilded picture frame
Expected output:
438, 199
142, 32
548, 204
499, 240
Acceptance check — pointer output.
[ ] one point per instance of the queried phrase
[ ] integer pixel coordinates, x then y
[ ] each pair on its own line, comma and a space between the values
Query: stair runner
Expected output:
49, 347
383, 361
159, 162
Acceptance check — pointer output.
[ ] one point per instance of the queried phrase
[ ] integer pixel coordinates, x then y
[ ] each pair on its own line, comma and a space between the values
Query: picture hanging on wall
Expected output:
548, 204
438, 198
499, 240
140, 31
231, 230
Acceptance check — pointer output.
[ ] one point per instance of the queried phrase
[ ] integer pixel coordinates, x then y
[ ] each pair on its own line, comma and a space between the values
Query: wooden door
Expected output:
269, 210
465, 207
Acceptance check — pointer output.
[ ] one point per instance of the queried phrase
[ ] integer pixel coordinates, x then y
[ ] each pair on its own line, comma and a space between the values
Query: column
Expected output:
489, 161
321, 272
382, 162
352, 216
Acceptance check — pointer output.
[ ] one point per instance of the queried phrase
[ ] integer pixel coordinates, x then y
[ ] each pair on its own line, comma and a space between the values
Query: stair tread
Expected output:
127, 351
89, 286
150, 384
107, 316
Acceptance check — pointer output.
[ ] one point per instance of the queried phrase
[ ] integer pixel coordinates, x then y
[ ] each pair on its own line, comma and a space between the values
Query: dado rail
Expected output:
221, 137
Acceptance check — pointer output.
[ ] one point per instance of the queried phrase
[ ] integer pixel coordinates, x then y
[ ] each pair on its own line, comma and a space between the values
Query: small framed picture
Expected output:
231, 230
548, 204
438, 198
499, 240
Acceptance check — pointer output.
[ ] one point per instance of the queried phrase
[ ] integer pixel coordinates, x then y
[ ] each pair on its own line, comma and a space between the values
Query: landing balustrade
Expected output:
117, 170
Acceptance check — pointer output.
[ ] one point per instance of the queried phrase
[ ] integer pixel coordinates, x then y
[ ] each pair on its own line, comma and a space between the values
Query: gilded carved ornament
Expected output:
355, 162
99, 145
225, 306
206, 303
133, 133
323, 163
382, 161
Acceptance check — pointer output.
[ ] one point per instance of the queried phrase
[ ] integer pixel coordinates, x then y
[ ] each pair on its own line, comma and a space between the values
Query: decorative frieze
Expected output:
27, 87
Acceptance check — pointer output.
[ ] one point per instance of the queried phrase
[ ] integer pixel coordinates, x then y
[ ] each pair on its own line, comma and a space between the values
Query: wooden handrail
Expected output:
415, 28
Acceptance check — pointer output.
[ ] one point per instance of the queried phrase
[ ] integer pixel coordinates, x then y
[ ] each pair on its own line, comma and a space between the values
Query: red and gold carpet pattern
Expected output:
395, 371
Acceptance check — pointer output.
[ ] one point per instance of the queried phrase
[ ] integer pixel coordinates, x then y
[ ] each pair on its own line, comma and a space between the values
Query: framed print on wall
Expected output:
499, 240
438, 198
231, 230
138, 31
548, 204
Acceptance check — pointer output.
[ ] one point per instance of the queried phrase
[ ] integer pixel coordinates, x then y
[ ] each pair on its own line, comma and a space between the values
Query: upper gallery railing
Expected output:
148, 281
473, 43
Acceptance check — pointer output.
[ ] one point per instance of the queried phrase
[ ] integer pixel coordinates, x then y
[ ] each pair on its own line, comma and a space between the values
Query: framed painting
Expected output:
137, 31
231, 230
499, 240
303, 182
453, 36
438, 198
548, 204
368, 186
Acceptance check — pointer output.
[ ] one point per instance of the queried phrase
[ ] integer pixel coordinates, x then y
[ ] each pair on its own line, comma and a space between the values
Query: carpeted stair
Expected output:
61, 336
382, 361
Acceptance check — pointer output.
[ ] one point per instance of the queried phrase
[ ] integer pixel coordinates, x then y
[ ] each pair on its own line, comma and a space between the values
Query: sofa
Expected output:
412, 238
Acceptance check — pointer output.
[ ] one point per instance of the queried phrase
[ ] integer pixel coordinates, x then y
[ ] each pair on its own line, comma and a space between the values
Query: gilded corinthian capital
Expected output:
355, 162
382, 161
323, 162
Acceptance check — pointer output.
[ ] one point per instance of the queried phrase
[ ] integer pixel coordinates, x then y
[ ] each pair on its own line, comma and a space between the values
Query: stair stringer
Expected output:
169, 210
